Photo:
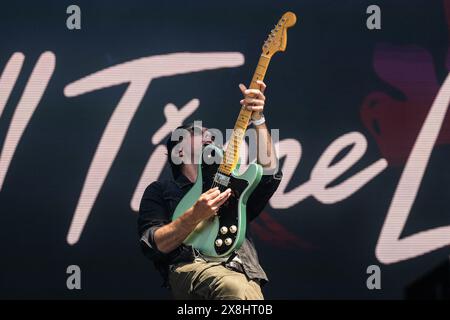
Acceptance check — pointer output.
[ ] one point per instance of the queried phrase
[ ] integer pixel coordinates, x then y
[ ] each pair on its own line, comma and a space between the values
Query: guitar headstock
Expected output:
277, 39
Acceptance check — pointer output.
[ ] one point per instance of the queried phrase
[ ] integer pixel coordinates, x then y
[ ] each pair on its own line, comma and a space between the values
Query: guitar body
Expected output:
212, 236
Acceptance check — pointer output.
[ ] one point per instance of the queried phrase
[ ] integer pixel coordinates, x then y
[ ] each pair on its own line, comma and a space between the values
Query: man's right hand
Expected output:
209, 203
170, 236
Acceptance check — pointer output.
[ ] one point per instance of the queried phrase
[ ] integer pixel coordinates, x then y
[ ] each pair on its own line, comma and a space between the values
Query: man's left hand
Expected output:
254, 99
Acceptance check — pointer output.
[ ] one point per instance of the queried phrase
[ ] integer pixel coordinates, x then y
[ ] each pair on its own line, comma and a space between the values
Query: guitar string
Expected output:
215, 183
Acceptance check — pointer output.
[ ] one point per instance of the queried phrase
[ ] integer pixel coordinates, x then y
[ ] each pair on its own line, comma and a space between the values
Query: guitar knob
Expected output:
219, 242
223, 230
228, 241
233, 229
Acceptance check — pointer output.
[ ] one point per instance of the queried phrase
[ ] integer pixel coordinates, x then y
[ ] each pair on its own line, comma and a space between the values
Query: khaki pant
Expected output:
211, 280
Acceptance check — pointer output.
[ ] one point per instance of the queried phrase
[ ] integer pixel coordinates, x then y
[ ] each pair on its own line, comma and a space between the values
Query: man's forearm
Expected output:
170, 236
266, 155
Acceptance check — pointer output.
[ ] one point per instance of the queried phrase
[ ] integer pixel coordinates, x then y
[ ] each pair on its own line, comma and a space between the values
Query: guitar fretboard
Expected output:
231, 155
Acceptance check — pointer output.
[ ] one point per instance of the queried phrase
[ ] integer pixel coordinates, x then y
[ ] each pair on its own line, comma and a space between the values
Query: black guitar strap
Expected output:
231, 257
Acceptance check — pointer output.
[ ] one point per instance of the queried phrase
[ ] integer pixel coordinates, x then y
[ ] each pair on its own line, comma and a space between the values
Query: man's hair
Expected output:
170, 144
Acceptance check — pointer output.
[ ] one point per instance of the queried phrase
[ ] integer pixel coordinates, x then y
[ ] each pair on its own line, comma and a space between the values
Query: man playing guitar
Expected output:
188, 273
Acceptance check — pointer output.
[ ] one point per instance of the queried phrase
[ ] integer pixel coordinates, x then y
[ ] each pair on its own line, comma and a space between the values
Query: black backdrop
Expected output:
317, 92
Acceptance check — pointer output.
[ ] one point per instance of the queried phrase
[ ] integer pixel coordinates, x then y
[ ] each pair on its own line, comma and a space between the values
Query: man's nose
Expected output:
206, 140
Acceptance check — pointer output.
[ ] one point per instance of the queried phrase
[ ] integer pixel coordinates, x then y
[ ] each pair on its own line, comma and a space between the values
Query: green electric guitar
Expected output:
224, 233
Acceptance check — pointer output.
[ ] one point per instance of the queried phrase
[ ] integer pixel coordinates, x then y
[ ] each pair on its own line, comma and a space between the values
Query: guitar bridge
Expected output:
222, 179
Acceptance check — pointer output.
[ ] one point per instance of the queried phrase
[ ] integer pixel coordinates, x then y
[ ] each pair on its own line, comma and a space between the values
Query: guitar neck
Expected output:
231, 155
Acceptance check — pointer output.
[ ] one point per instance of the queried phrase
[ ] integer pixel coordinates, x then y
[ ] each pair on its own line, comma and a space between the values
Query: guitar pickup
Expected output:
222, 179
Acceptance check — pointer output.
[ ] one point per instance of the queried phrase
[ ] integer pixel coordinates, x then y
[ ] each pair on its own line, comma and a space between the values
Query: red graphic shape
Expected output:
274, 233
394, 122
